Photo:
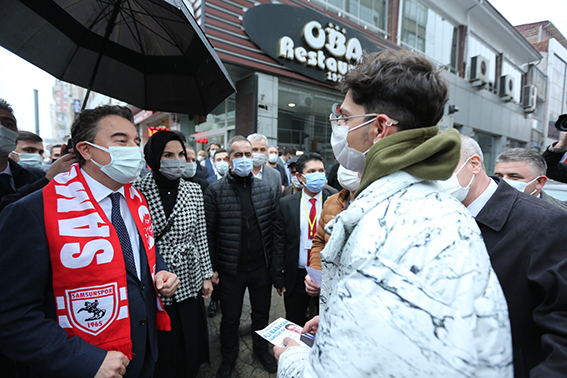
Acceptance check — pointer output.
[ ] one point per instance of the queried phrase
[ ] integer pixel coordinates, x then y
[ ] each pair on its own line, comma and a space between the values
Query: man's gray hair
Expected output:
536, 162
5, 106
256, 137
470, 147
236, 138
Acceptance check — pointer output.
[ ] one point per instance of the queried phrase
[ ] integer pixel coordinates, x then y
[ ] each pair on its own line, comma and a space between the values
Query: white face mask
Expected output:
7, 141
125, 162
200, 158
30, 160
348, 157
259, 159
520, 185
190, 170
295, 182
348, 179
222, 167
172, 169
454, 188
273, 158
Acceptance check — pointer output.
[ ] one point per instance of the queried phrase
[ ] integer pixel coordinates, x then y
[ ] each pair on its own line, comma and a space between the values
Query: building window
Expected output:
369, 14
425, 31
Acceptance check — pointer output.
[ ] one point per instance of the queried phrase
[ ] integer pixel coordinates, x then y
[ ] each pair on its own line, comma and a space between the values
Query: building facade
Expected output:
553, 47
287, 56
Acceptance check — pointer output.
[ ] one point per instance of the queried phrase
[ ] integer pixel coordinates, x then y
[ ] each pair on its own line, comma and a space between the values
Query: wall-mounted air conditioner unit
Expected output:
529, 98
506, 88
479, 71
305, 101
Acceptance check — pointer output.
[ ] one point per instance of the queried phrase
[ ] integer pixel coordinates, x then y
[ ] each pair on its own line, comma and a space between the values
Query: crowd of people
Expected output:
429, 266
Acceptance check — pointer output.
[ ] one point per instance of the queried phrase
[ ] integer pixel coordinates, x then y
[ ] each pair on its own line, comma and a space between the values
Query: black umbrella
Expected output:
147, 53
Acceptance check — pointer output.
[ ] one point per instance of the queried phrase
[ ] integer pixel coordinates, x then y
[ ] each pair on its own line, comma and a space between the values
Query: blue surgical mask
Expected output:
242, 166
315, 181
125, 163
222, 167
30, 160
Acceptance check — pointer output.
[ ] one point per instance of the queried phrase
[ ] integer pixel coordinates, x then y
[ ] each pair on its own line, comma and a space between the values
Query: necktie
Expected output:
6, 183
312, 219
121, 230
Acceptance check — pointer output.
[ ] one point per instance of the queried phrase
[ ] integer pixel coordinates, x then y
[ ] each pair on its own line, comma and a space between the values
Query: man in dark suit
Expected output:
209, 163
33, 328
526, 242
261, 170
524, 170
16, 181
298, 217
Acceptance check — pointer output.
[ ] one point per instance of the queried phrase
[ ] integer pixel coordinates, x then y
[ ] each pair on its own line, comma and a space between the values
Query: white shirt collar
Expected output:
317, 196
8, 170
99, 190
476, 206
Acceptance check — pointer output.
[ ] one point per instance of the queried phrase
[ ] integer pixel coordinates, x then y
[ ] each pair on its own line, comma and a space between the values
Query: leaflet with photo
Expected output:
281, 328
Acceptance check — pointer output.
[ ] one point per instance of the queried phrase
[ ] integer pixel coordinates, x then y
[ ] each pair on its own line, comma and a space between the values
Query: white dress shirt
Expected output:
476, 206
101, 194
305, 243
260, 172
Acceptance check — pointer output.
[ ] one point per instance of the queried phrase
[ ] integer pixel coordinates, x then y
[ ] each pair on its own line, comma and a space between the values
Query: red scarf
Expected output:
89, 275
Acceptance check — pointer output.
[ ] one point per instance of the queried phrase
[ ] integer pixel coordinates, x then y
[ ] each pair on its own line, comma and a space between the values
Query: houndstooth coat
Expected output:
184, 248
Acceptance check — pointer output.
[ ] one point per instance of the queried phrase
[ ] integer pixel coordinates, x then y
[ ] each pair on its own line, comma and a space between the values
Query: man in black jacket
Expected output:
241, 214
298, 218
16, 181
525, 240
553, 154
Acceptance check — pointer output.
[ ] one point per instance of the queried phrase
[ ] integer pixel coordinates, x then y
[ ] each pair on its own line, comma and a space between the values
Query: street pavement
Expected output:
246, 365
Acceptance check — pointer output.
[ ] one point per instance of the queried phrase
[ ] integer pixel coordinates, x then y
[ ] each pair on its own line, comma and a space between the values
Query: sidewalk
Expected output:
246, 365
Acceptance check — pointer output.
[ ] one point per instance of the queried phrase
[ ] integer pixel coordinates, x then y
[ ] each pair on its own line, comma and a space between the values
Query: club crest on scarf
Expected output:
95, 308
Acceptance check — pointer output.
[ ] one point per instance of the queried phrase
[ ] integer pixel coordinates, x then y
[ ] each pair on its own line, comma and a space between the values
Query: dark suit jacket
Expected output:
27, 180
527, 243
286, 248
209, 165
554, 201
30, 333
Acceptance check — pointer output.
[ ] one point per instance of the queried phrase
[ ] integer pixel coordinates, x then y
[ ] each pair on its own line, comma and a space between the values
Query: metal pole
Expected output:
36, 108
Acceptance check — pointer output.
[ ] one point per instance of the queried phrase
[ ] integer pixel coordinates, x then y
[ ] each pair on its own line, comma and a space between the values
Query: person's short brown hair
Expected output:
401, 84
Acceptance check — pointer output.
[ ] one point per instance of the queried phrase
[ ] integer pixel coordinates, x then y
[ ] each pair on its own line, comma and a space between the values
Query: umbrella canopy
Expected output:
147, 53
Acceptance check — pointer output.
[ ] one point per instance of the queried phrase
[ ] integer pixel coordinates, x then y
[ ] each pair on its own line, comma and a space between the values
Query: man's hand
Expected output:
562, 141
311, 287
113, 366
280, 291
311, 326
215, 278
207, 289
63, 164
166, 283
279, 350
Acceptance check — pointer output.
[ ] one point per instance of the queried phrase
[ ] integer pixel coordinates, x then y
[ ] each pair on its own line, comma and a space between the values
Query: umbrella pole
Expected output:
109, 28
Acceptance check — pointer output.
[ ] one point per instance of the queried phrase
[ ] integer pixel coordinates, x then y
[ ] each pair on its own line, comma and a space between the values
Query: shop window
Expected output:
303, 118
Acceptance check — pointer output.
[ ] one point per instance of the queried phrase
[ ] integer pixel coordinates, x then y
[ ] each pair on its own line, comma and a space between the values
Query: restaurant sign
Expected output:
306, 41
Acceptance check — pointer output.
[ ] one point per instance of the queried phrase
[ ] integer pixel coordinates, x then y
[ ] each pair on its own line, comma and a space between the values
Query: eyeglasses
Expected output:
338, 119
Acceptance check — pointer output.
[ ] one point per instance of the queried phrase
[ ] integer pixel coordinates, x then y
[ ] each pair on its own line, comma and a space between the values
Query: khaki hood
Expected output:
425, 153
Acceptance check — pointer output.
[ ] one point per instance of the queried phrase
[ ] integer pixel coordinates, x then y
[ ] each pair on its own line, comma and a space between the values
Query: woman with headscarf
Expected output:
178, 217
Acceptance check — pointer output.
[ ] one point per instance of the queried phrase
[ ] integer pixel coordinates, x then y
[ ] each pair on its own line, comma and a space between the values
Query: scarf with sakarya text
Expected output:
88, 269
